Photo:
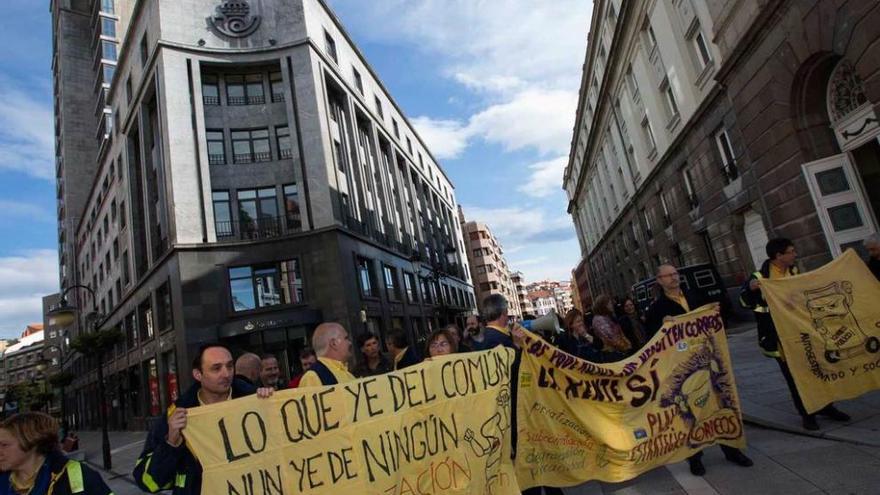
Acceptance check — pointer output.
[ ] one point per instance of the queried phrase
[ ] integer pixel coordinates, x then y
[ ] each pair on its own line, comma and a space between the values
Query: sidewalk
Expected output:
839, 458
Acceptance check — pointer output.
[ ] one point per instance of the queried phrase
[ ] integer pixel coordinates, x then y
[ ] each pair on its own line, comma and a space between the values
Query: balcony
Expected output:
252, 229
211, 100
261, 156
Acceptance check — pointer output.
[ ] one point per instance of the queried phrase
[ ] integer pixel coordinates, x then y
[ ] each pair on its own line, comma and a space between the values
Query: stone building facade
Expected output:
489, 269
705, 128
249, 176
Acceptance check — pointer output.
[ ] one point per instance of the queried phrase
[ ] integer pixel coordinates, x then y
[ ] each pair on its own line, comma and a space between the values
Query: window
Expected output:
689, 188
330, 46
426, 290
282, 134
128, 89
258, 212
109, 71
108, 50
245, 90
108, 27
358, 81
122, 217
222, 214
365, 278
276, 86
216, 147
633, 85
379, 107
409, 282
728, 159
264, 285
391, 288
396, 128
704, 56
291, 207
107, 6
669, 97
409, 145
210, 90
115, 249
667, 220
633, 234
251, 146
652, 40
145, 50
145, 321
649, 135
164, 319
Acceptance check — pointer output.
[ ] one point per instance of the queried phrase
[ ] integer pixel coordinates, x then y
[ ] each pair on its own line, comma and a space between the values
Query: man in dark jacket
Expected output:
781, 256
872, 245
166, 463
674, 301
402, 354
496, 318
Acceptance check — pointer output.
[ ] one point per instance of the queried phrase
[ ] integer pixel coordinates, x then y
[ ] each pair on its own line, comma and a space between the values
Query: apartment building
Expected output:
489, 269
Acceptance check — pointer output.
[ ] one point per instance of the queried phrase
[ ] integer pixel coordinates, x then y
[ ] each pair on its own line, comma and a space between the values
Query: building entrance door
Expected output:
837, 192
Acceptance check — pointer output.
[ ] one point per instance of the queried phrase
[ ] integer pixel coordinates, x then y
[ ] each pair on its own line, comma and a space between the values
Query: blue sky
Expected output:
490, 85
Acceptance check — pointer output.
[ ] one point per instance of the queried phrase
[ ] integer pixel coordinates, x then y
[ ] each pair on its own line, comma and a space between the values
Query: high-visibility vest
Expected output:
74, 477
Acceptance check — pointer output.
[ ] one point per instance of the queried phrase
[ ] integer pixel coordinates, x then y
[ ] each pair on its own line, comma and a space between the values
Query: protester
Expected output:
673, 301
781, 257
270, 373
473, 335
440, 343
576, 340
32, 464
166, 462
496, 318
872, 245
606, 328
307, 358
373, 360
632, 324
402, 354
333, 347
457, 336
247, 368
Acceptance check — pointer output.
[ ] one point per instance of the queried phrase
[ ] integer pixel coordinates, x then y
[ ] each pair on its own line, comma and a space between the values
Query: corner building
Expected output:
245, 177
705, 128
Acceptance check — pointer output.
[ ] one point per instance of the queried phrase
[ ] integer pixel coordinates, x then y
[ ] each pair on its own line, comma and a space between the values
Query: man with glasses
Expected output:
674, 301
781, 256
333, 347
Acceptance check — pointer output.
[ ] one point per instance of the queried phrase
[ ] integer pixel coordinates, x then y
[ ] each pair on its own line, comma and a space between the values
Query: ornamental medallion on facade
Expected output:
233, 18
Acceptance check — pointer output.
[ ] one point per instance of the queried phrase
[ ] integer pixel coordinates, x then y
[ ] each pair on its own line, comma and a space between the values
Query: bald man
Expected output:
333, 347
247, 368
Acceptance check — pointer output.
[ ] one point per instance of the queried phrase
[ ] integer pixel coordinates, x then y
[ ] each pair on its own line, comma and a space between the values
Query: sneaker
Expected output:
697, 467
738, 458
810, 423
834, 414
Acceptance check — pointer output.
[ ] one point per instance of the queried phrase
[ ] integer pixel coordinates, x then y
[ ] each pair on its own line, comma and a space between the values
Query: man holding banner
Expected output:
673, 301
166, 463
496, 317
780, 264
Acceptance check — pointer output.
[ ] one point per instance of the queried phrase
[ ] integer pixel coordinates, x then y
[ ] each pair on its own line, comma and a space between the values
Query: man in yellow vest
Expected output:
781, 257
333, 347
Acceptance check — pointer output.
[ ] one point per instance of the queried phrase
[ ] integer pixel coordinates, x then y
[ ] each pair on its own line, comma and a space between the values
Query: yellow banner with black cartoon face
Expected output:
828, 322
442, 427
579, 421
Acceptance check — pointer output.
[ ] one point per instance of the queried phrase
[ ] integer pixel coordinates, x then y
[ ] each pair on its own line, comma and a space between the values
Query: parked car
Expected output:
702, 277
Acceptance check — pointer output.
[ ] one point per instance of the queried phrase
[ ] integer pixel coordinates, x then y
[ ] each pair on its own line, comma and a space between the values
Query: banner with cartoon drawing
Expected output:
828, 321
440, 427
579, 421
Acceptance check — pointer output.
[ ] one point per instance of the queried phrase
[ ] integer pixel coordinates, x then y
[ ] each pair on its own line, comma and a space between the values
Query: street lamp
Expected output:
95, 342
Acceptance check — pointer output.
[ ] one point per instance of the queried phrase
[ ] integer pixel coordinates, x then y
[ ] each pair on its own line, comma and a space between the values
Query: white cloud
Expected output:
24, 280
445, 138
520, 225
545, 177
28, 211
26, 133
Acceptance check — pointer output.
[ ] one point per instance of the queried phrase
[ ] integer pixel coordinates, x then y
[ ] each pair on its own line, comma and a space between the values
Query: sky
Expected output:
491, 86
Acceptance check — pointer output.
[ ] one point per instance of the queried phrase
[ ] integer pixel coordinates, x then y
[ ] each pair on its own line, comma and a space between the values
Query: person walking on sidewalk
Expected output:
32, 464
674, 301
166, 463
781, 256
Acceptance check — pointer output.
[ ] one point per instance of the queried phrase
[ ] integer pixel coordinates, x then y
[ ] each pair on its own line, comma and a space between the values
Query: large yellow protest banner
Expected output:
828, 322
439, 427
579, 421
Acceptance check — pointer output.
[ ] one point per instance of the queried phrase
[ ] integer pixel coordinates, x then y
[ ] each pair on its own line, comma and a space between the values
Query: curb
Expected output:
772, 425
111, 475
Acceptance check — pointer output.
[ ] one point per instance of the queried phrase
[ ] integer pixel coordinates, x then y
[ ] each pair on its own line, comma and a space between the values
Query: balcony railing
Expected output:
277, 97
219, 159
211, 100
261, 156
260, 228
246, 100
285, 153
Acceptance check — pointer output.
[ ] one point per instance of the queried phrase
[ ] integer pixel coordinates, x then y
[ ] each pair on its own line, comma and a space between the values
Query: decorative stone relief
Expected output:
846, 92
233, 18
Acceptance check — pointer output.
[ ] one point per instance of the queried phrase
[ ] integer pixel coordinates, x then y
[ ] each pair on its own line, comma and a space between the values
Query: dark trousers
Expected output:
795, 396
546, 489
728, 450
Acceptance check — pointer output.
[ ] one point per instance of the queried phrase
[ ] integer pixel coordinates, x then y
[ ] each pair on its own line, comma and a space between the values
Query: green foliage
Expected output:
61, 379
30, 396
99, 341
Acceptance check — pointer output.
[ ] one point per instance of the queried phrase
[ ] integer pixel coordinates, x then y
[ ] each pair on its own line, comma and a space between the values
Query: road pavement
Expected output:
841, 458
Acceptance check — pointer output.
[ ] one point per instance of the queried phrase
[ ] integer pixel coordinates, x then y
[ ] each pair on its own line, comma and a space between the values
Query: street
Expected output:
840, 458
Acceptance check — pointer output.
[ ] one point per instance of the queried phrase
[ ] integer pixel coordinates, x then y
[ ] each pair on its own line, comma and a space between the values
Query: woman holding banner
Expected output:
606, 328
440, 343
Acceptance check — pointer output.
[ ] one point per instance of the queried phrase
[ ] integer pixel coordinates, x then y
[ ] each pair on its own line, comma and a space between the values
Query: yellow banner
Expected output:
439, 427
579, 421
828, 322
